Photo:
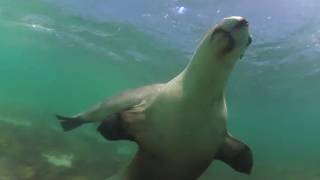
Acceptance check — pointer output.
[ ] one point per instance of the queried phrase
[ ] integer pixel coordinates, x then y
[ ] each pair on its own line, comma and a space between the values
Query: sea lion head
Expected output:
216, 55
231, 37
227, 41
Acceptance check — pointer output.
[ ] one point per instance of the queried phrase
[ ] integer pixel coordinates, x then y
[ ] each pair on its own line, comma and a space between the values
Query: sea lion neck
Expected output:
204, 78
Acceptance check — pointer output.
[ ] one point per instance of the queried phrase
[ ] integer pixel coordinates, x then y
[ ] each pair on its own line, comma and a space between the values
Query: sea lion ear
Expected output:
236, 154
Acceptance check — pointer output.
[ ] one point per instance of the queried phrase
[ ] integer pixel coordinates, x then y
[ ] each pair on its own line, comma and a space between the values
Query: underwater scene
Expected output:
64, 56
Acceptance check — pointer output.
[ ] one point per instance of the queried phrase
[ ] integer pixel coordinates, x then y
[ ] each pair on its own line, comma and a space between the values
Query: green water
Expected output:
64, 56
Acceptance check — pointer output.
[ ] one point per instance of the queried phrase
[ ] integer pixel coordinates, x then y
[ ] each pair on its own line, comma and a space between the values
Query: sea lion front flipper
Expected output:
117, 125
112, 128
236, 154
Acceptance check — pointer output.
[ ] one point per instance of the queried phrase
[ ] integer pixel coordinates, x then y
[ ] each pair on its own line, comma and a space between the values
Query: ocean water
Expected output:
63, 56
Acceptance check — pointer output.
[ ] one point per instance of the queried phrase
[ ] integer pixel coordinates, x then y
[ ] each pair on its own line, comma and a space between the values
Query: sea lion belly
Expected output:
178, 128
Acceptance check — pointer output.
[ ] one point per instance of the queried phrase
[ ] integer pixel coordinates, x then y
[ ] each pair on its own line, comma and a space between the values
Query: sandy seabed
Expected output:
44, 153
41, 153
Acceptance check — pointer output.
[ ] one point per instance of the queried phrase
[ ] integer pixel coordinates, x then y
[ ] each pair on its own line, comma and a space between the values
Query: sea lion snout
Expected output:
231, 37
233, 29
234, 22
228, 25
241, 23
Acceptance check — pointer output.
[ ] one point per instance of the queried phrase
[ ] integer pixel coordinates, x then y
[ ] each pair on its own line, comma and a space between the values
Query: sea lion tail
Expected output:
69, 123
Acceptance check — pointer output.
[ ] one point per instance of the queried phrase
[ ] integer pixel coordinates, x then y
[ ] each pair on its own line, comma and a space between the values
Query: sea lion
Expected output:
179, 126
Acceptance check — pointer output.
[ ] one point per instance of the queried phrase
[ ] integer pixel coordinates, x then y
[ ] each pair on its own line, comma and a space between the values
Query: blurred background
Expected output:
63, 56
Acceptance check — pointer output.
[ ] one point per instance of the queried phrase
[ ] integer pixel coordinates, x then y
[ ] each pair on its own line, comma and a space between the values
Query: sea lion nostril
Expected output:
242, 22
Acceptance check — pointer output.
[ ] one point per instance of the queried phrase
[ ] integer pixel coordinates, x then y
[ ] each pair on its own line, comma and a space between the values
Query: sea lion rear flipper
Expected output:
236, 154
69, 123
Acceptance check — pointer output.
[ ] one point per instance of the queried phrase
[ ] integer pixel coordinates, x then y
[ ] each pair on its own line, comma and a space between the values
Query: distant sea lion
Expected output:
179, 126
